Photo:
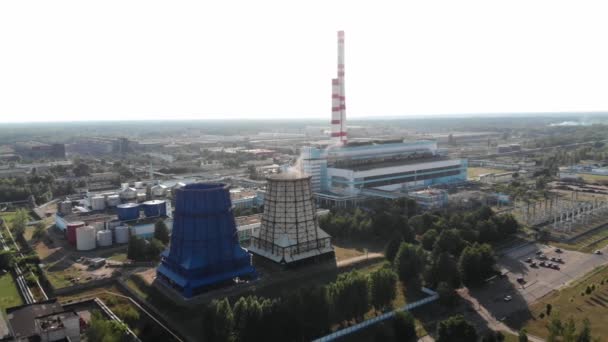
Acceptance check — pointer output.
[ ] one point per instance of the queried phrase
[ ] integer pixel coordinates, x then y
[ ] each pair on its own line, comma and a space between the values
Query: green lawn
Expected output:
9, 295
568, 302
593, 178
122, 256
474, 172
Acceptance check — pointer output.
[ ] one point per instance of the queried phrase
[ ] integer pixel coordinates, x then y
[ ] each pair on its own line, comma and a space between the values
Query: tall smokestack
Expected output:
338, 106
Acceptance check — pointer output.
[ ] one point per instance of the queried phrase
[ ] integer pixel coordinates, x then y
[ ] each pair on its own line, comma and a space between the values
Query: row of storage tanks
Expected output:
130, 211
100, 202
87, 238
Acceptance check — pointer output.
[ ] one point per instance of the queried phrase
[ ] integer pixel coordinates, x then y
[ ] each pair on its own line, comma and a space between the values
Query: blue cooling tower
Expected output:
204, 251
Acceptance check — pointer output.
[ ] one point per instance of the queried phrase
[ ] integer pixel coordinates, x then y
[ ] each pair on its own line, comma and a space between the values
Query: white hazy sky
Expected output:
105, 60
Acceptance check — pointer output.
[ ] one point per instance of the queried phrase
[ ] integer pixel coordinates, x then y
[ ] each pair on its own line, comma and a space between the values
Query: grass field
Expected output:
568, 302
9, 295
118, 257
593, 178
474, 172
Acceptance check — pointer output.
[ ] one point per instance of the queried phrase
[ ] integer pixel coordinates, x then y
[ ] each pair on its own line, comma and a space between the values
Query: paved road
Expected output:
492, 323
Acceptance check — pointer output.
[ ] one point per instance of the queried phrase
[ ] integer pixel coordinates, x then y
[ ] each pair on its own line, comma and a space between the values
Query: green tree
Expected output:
39, 231
428, 239
7, 259
161, 232
523, 335
584, 334
443, 269
382, 290
218, 321
103, 330
456, 329
391, 249
556, 329
409, 262
19, 221
404, 327
476, 263
447, 295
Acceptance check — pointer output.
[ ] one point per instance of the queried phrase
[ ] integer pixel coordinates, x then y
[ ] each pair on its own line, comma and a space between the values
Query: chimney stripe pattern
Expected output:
289, 230
338, 98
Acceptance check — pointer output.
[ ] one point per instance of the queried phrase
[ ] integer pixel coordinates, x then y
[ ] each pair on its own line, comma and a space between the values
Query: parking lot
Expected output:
507, 295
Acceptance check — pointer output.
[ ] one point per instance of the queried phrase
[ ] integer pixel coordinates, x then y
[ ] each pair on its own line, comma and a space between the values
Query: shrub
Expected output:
542, 315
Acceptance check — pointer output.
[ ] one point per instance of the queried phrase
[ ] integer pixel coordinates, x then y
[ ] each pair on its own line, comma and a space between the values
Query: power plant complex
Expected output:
344, 171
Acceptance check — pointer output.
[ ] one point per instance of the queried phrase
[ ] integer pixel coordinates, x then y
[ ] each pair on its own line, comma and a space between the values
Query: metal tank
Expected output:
98, 203
104, 238
128, 211
155, 208
113, 200
128, 194
139, 185
71, 231
159, 190
85, 238
121, 234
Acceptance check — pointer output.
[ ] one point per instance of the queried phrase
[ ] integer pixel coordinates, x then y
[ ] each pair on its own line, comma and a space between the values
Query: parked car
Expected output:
529, 260
521, 280
508, 298
598, 252
558, 250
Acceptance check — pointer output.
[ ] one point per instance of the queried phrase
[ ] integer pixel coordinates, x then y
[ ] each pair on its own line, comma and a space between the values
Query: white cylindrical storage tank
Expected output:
113, 200
139, 185
98, 203
121, 234
104, 238
113, 224
99, 226
128, 194
141, 197
85, 238
159, 190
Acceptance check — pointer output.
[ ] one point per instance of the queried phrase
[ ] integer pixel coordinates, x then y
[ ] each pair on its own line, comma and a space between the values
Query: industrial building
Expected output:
353, 171
204, 252
37, 150
45, 321
430, 199
289, 231
347, 172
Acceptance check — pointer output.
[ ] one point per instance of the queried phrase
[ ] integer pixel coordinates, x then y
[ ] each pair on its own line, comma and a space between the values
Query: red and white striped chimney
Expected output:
338, 98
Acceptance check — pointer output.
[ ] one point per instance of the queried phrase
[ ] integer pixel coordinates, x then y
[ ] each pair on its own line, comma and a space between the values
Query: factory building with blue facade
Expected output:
379, 168
205, 252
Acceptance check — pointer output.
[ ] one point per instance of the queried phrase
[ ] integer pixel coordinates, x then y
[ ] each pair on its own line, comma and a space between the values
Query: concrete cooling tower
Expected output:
290, 231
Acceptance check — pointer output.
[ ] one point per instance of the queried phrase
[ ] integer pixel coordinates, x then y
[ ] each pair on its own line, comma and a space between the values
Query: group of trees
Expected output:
42, 187
101, 329
303, 314
379, 218
140, 249
566, 331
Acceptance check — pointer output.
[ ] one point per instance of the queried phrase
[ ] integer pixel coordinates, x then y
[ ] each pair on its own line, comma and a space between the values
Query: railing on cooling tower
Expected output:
367, 323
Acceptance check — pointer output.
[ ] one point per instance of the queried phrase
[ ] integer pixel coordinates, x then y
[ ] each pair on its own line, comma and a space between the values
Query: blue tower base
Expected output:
191, 285
205, 252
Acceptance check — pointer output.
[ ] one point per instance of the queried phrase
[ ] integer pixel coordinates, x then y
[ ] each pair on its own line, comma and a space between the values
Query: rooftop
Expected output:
389, 163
